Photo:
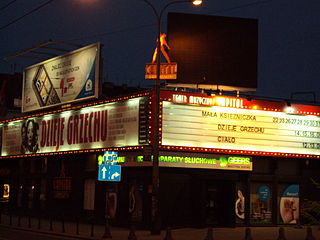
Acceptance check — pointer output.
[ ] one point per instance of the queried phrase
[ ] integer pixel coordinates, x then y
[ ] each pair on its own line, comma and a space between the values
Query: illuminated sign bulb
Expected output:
289, 109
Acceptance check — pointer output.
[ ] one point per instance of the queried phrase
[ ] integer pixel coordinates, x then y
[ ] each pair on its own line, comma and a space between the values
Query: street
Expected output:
13, 234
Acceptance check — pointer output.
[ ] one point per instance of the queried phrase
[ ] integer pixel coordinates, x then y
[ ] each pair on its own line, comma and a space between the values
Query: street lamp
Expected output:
156, 222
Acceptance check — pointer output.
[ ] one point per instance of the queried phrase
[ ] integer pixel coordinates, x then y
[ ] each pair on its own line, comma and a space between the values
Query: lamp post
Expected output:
156, 221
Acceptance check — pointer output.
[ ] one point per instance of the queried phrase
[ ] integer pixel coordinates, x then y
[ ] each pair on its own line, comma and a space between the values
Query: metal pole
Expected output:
39, 222
107, 231
62, 224
92, 229
51, 225
29, 221
156, 220
77, 226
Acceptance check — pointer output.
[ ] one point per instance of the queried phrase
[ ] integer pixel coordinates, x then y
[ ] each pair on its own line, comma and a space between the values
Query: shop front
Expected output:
223, 161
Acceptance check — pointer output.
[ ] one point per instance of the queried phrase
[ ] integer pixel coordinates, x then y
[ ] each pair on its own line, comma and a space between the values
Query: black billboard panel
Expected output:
214, 51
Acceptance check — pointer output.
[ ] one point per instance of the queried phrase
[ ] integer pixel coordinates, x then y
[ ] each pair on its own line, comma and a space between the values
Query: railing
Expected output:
91, 230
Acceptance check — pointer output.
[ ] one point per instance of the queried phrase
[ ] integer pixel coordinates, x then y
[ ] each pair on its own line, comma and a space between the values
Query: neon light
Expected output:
139, 158
239, 160
121, 159
100, 159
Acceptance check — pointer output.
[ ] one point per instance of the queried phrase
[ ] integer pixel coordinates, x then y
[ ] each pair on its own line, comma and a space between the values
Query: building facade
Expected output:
223, 161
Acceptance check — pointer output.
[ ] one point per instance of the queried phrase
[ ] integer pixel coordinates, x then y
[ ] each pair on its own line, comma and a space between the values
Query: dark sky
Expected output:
289, 34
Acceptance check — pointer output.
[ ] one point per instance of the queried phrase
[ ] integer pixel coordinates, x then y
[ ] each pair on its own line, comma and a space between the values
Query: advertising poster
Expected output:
106, 125
240, 203
63, 79
111, 199
0, 138
289, 204
261, 204
6, 191
136, 202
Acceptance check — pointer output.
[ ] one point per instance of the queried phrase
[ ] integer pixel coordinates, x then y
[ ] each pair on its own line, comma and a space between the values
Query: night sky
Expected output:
289, 34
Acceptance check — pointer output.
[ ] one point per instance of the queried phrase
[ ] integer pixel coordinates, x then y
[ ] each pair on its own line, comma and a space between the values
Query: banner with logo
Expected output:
289, 205
100, 126
63, 79
260, 203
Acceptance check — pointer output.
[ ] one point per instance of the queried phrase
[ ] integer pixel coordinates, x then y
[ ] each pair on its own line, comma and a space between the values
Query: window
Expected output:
89, 194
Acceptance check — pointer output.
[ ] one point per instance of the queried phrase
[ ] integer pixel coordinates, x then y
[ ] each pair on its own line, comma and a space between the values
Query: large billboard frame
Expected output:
61, 117
213, 52
223, 114
51, 96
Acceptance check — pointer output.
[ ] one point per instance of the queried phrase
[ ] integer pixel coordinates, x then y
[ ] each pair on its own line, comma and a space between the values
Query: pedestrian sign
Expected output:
108, 172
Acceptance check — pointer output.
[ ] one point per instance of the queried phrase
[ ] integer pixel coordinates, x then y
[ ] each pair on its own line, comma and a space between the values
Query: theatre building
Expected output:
223, 161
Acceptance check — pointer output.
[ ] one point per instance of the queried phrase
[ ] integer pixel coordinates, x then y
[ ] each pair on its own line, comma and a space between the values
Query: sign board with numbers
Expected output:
237, 125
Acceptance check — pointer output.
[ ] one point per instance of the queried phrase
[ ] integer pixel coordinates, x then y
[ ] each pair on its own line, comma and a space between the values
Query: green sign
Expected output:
219, 162
207, 161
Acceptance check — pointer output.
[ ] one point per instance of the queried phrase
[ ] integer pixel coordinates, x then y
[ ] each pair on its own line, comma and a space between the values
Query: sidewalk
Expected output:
85, 231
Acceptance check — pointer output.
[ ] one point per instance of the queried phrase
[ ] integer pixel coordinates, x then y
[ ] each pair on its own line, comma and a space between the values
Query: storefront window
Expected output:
260, 203
42, 196
288, 204
240, 203
136, 201
89, 193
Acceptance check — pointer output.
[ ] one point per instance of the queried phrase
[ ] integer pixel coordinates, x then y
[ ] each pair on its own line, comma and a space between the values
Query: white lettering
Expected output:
177, 98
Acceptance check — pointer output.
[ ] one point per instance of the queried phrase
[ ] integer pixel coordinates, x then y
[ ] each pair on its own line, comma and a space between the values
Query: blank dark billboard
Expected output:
214, 50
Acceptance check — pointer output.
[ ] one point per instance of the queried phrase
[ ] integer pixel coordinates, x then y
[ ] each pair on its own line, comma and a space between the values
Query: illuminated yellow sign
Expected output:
6, 191
208, 101
167, 71
239, 129
207, 162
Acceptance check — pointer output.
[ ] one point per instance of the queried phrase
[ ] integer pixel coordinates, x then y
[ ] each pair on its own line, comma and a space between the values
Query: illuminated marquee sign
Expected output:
107, 125
237, 124
205, 161
208, 101
167, 71
191, 160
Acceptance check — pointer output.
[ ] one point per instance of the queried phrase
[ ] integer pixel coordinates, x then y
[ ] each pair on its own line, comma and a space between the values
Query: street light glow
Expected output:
197, 2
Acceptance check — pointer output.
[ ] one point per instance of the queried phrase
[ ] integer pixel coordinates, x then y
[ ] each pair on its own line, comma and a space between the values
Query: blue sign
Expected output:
264, 193
291, 192
109, 172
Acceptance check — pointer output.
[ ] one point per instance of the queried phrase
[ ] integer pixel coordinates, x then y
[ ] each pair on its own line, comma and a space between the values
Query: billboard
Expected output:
113, 124
238, 124
63, 79
213, 52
